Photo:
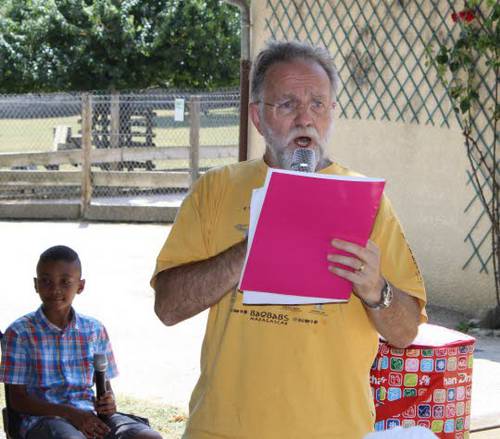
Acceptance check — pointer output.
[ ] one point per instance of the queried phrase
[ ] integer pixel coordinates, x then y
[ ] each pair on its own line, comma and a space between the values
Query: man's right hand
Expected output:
88, 423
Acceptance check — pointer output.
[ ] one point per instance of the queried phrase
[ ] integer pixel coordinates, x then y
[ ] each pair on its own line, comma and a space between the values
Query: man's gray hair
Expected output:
288, 51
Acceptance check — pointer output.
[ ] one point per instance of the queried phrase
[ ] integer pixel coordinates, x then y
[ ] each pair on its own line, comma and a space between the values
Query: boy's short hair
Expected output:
59, 253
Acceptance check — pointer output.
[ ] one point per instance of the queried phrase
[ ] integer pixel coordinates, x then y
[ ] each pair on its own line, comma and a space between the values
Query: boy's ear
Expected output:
35, 284
81, 286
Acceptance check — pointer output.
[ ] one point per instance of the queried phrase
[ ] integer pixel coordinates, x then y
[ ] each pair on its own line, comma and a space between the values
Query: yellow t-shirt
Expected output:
273, 372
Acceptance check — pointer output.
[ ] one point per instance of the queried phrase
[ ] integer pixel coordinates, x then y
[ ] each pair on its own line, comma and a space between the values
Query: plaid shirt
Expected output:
54, 364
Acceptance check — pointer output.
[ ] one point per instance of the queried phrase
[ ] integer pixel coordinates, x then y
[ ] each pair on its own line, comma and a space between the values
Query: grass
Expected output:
219, 127
170, 421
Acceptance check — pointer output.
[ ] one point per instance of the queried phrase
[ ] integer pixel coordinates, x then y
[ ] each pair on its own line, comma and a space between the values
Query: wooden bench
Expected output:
62, 136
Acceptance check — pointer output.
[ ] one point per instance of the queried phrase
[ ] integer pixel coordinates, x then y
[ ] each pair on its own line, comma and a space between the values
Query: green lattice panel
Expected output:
379, 49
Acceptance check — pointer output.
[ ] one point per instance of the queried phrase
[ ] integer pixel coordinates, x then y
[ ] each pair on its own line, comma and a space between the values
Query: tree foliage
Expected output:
48, 45
463, 63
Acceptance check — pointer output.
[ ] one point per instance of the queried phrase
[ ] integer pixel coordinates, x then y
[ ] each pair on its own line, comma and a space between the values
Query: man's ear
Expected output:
35, 284
81, 286
255, 116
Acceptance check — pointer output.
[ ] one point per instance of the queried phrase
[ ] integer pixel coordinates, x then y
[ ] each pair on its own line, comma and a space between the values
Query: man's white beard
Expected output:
278, 146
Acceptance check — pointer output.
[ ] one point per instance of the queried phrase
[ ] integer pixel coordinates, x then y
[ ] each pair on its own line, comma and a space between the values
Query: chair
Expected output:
11, 419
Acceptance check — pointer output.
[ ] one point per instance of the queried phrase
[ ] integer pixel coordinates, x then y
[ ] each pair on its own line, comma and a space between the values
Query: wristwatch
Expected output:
385, 298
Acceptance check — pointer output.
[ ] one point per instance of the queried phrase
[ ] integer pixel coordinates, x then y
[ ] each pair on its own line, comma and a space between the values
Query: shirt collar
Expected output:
45, 322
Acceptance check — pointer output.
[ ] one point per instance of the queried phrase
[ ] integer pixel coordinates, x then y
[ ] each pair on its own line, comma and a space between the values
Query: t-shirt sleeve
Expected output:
187, 240
14, 367
398, 264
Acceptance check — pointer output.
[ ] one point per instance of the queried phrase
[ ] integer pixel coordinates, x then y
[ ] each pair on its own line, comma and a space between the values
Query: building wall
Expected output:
426, 171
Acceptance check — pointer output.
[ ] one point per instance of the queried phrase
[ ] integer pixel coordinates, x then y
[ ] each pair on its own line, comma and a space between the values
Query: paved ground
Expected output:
155, 361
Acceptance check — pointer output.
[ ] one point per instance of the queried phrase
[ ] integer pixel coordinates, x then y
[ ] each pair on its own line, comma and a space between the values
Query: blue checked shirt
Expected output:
54, 364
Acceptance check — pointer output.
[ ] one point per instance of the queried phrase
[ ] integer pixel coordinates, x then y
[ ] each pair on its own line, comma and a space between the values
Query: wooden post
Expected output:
114, 124
86, 154
115, 120
194, 137
244, 100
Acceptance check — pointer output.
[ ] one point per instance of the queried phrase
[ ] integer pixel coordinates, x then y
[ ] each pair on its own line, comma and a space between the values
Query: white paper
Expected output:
179, 110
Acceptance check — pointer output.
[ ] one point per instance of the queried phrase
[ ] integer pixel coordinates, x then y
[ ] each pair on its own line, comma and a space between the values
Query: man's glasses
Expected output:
291, 107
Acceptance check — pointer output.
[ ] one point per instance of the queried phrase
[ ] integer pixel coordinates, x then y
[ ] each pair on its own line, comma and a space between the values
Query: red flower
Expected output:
467, 15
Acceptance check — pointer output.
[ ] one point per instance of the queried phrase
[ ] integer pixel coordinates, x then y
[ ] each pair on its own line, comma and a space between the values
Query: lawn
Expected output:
219, 127
168, 420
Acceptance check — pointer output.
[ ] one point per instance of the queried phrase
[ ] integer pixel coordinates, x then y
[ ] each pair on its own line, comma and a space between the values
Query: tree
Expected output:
58, 45
462, 65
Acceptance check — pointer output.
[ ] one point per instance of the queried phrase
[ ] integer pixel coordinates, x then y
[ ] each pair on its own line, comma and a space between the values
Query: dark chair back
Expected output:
11, 419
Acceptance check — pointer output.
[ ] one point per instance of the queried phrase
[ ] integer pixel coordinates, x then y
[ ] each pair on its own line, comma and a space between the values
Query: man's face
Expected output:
296, 110
57, 283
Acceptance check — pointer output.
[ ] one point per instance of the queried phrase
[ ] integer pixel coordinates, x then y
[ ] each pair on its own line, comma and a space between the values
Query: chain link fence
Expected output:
143, 148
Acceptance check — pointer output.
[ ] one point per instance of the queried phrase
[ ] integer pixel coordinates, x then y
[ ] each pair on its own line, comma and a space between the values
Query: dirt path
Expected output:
155, 361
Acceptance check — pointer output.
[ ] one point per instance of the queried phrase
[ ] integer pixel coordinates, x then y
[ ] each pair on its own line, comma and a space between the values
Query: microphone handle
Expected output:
100, 385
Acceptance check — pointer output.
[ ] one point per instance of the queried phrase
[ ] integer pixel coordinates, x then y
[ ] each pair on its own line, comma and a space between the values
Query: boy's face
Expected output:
57, 283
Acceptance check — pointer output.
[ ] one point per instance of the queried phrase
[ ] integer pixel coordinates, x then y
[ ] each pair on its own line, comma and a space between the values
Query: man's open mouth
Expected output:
303, 141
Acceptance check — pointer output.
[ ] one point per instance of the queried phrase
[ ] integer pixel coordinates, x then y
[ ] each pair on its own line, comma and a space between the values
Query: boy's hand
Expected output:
88, 423
105, 405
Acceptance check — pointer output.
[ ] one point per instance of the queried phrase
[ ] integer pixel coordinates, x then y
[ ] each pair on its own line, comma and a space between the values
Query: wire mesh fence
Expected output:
111, 148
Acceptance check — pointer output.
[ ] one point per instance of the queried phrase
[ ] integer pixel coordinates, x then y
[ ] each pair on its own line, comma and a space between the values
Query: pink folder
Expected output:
300, 215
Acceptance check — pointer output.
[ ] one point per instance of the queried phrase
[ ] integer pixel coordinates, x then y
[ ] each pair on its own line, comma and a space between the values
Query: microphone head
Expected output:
303, 160
100, 362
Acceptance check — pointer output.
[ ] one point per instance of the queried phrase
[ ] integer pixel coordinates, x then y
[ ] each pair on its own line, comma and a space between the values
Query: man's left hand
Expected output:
366, 278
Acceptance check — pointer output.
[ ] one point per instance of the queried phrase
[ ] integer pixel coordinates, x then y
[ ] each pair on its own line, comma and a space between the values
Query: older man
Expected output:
302, 371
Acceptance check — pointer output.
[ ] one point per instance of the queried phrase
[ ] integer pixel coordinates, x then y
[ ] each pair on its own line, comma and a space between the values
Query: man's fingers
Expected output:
353, 276
357, 250
347, 261
349, 247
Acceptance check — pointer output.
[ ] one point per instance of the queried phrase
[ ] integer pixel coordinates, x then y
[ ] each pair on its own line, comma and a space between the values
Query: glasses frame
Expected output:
295, 111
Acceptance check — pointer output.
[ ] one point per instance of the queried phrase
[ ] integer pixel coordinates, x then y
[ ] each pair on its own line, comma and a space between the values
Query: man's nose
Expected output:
303, 116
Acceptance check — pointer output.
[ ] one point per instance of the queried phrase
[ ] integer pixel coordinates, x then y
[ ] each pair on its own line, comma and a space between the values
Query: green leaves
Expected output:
48, 45
476, 48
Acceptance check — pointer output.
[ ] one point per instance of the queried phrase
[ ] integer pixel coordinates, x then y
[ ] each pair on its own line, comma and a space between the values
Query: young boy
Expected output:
47, 358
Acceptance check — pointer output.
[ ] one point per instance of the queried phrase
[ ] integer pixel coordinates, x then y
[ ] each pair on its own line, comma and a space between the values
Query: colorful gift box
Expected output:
428, 384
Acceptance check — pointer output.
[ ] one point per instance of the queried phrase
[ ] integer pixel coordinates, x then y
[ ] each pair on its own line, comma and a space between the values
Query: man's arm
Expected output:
398, 323
186, 290
85, 421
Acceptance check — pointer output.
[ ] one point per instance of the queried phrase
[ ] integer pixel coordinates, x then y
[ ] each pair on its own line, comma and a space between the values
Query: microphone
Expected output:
303, 160
100, 366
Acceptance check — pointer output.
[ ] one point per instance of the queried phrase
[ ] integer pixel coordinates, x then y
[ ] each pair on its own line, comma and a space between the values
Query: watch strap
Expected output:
385, 298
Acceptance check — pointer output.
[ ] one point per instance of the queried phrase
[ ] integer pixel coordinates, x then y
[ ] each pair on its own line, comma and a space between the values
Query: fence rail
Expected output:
115, 150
